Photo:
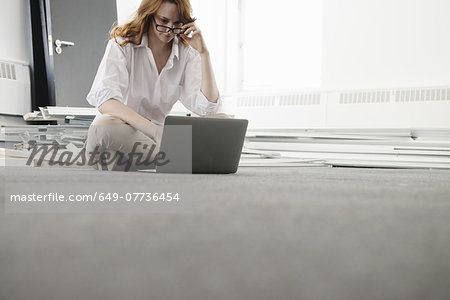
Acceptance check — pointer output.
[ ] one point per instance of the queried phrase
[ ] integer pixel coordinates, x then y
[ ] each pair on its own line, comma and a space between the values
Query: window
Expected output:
259, 45
281, 44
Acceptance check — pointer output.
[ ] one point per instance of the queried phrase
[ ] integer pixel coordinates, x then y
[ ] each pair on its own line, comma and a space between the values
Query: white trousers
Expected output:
115, 145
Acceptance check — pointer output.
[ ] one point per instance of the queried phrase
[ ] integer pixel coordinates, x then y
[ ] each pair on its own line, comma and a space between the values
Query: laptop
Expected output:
201, 145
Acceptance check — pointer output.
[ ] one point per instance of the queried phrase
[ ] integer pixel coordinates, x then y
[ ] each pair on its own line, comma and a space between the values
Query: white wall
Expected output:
14, 30
15, 94
125, 8
386, 43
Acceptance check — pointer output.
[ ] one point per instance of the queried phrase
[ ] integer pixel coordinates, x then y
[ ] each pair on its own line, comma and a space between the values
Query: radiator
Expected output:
15, 89
415, 107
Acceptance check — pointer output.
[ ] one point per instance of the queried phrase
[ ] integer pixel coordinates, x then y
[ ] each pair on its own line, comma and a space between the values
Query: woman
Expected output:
152, 61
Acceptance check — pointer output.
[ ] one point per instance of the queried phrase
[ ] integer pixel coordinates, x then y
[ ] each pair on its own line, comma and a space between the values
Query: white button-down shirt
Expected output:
129, 74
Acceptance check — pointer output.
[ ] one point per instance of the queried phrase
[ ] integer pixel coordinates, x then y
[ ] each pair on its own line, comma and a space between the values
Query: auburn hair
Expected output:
133, 31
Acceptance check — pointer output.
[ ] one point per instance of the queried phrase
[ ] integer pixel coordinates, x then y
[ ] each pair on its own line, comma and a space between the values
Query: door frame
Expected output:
41, 65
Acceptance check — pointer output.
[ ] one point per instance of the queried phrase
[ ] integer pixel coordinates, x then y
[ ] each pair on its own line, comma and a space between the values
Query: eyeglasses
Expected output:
166, 29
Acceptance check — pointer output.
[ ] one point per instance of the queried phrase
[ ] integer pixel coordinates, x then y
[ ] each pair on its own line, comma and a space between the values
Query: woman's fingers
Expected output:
190, 29
185, 26
192, 32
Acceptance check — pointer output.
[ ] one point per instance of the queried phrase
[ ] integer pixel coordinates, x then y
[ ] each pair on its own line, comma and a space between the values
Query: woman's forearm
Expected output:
118, 109
209, 85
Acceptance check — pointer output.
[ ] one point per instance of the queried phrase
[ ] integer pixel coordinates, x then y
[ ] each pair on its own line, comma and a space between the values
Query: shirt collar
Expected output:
175, 47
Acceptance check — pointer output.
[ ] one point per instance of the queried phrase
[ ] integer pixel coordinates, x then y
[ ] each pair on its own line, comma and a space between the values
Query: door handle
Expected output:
59, 44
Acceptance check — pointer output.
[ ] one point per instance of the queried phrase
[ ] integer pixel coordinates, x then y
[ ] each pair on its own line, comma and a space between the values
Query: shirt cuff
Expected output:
205, 106
97, 98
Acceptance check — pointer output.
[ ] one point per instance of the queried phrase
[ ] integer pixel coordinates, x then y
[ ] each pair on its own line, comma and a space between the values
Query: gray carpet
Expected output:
263, 233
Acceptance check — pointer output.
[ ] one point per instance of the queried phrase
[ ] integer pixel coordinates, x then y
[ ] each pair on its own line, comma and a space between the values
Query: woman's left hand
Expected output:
196, 40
